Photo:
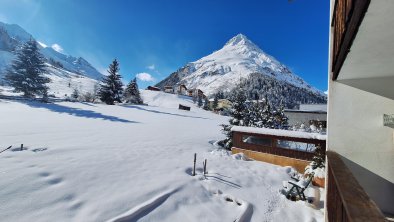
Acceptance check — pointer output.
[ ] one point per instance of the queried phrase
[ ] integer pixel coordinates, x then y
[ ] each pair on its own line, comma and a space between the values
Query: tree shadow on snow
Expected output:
160, 112
76, 111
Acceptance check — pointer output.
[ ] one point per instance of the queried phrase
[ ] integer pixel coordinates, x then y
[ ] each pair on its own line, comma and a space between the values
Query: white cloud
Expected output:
42, 44
57, 47
326, 92
151, 67
146, 77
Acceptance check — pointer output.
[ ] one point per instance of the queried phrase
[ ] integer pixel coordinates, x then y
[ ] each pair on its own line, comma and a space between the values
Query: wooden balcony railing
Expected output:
347, 17
273, 148
346, 199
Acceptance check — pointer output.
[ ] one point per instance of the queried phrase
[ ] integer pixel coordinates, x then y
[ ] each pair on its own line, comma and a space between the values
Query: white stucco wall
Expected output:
356, 131
298, 118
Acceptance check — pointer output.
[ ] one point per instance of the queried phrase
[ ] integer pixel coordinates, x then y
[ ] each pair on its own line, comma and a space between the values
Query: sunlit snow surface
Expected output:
93, 162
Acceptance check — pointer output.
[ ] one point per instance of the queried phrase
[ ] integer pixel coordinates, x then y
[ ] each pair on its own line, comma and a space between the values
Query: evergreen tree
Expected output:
238, 112
206, 103
132, 93
111, 85
26, 72
281, 120
215, 101
199, 101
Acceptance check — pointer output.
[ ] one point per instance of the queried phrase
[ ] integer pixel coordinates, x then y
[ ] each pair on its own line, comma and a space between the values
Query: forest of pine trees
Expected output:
279, 93
26, 72
253, 114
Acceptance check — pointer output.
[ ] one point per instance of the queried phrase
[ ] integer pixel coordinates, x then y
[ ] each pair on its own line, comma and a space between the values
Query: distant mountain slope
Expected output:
238, 59
13, 36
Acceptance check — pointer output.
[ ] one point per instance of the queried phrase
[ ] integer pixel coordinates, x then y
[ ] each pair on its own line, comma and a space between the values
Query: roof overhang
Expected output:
370, 63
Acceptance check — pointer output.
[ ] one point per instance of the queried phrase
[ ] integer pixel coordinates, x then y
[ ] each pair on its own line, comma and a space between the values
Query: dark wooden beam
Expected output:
352, 24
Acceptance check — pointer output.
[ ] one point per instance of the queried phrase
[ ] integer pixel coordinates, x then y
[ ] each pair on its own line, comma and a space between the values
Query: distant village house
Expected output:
153, 88
168, 89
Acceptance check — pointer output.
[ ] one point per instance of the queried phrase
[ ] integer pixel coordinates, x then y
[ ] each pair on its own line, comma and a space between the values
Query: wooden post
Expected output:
22, 147
206, 161
194, 166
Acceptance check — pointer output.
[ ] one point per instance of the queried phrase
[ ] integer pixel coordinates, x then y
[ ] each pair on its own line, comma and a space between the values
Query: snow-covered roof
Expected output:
278, 132
313, 107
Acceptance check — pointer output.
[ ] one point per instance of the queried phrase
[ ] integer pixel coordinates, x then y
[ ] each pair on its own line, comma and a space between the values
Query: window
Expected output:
257, 140
293, 145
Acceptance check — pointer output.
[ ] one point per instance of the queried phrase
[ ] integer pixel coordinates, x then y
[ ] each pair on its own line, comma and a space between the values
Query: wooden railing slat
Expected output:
346, 199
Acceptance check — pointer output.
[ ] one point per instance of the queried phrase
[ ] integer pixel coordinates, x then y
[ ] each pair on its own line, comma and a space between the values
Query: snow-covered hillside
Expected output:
222, 70
13, 36
62, 84
93, 162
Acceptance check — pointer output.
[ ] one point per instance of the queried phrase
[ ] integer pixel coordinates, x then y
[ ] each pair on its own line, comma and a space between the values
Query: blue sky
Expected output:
158, 36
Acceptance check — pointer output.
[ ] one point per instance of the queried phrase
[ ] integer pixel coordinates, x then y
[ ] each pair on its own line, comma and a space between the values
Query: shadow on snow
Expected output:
75, 111
160, 112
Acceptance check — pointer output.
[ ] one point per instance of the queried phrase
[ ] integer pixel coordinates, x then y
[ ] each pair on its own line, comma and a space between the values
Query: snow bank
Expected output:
166, 100
277, 132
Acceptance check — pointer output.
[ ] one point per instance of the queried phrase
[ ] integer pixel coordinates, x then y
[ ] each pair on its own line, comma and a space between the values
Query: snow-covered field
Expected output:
93, 162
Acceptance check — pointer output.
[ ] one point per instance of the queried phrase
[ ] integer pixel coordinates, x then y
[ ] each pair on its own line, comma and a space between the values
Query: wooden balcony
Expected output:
346, 19
346, 199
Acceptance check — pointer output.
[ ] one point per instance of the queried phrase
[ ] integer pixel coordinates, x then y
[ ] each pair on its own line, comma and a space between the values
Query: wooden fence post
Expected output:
194, 166
205, 166
22, 147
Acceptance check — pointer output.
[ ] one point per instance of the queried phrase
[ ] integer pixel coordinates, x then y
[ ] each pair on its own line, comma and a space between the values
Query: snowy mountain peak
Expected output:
239, 39
15, 32
13, 36
238, 59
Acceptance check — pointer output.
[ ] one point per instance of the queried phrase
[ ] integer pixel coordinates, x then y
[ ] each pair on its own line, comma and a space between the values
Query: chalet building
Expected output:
181, 90
222, 104
196, 93
360, 142
168, 89
153, 88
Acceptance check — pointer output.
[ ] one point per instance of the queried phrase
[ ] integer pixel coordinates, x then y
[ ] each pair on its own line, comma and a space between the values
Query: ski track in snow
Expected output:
145, 208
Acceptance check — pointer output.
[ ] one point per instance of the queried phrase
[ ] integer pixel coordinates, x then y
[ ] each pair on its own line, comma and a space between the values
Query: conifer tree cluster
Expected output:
26, 72
132, 93
111, 86
252, 114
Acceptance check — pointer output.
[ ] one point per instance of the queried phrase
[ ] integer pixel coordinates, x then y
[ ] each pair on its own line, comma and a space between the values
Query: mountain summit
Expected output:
238, 59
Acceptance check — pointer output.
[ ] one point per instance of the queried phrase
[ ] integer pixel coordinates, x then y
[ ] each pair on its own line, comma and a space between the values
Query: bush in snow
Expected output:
318, 163
132, 93
111, 86
75, 95
26, 72
88, 97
